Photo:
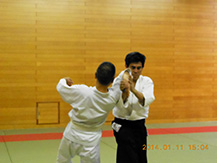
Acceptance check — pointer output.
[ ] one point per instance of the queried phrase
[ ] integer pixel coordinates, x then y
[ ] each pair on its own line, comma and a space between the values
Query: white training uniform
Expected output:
133, 110
130, 120
90, 110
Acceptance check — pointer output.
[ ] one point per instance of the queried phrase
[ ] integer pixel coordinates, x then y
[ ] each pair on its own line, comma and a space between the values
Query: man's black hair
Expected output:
105, 73
135, 57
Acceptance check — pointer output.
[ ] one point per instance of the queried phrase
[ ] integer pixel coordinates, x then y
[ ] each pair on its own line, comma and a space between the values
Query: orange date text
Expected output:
176, 147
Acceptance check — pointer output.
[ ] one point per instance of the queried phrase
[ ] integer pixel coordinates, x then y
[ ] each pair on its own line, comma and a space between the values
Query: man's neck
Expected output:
101, 88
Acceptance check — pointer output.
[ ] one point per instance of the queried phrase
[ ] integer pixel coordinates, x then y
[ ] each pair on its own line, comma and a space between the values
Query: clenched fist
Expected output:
69, 81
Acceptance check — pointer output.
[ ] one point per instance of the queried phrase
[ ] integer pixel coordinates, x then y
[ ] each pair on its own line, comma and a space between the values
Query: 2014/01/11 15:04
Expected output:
176, 147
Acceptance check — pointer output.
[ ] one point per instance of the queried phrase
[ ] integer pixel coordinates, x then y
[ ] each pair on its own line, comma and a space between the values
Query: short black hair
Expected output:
135, 57
105, 73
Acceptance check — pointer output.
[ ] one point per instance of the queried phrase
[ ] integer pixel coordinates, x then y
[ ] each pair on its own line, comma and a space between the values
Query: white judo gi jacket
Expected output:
90, 110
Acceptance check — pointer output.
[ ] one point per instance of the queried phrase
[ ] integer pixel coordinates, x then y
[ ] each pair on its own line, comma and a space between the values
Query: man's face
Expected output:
136, 69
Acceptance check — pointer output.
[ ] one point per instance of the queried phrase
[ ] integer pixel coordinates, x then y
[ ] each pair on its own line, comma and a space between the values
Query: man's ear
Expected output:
96, 75
126, 65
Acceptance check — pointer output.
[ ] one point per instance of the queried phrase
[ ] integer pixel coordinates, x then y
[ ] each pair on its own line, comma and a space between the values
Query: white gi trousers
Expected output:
68, 149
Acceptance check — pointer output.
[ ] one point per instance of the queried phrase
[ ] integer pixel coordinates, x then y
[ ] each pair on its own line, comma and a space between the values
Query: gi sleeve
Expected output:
70, 94
148, 93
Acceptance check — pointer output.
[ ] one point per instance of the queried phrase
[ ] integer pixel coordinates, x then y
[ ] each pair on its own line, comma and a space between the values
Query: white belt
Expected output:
84, 128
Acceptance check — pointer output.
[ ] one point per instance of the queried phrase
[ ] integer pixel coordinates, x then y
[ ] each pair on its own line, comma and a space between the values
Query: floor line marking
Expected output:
107, 133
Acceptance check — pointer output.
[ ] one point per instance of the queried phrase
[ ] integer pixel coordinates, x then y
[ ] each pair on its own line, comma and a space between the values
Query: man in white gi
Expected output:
91, 106
129, 123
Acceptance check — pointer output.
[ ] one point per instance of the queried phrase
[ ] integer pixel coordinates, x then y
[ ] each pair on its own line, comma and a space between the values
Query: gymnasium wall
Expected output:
42, 41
